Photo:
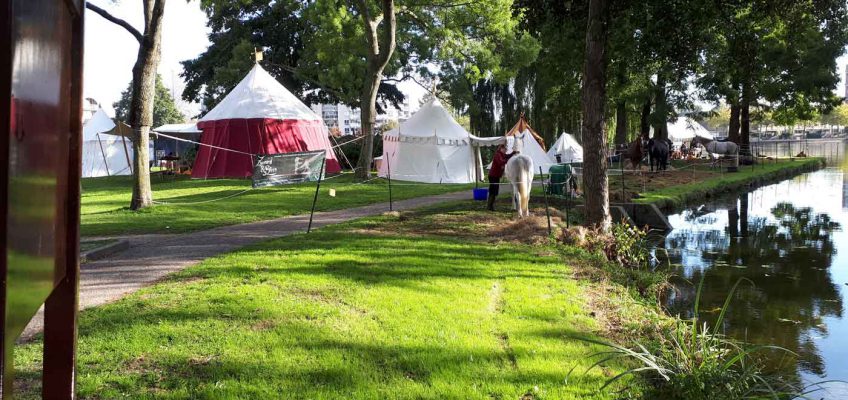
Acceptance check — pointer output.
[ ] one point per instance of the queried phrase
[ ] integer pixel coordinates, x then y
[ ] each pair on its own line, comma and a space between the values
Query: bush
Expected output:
625, 244
623, 256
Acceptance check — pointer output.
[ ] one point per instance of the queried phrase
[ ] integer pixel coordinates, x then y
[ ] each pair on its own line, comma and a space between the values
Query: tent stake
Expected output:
315, 199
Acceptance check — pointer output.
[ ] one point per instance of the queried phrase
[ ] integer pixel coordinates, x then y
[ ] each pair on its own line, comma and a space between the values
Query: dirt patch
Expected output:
530, 230
264, 325
484, 226
644, 181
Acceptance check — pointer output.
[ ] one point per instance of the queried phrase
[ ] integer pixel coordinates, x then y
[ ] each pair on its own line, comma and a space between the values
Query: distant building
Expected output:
342, 120
846, 85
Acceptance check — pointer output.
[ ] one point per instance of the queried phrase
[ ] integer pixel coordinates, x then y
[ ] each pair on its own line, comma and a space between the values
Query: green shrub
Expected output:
622, 255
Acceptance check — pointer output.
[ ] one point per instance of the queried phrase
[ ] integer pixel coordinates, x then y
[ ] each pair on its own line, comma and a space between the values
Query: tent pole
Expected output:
545, 193
103, 153
126, 152
317, 188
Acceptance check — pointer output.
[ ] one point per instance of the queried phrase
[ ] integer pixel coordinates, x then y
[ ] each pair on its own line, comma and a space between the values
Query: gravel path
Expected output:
151, 257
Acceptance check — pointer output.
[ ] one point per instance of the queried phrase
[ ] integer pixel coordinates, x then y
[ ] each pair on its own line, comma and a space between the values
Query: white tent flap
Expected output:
103, 154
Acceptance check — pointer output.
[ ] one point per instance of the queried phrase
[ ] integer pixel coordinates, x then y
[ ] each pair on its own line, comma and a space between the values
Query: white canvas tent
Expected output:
104, 154
532, 144
567, 148
429, 147
684, 129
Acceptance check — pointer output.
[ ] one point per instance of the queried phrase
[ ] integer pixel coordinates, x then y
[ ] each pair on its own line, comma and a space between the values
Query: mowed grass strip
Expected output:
349, 312
702, 186
202, 204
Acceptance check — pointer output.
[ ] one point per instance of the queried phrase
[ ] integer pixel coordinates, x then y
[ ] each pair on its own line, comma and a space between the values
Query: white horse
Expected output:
519, 172
720, 148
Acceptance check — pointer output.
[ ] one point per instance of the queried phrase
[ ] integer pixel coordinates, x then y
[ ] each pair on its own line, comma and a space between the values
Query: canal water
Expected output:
790, 240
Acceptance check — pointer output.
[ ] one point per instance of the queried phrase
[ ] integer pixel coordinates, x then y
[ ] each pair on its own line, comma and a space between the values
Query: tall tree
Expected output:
143, 92
165, 111
380, 34
595, 181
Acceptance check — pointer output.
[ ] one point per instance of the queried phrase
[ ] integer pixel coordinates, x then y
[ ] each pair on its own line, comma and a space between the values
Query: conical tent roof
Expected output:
567, 148
259, 95
98, 123
521, 126
431, 120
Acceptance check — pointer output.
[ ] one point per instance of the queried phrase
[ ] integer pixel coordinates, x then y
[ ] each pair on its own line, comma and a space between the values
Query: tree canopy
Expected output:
165, 111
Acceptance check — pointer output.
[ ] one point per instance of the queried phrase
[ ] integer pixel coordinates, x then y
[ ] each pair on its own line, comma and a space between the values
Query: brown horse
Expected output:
635, 153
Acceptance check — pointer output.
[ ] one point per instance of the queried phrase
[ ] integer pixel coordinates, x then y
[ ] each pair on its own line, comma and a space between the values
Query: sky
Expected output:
110, 51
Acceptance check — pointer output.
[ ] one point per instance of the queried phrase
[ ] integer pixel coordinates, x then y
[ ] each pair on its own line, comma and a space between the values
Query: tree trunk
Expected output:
660, 121
141, 105
381, 46
733, 125
745, 121
645, 120
595, 181
621, 122
368, 116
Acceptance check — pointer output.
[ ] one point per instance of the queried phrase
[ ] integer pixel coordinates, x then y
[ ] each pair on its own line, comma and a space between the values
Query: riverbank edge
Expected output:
729, 183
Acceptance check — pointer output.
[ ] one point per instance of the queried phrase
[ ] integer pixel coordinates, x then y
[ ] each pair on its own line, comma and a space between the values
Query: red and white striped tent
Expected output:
259, 116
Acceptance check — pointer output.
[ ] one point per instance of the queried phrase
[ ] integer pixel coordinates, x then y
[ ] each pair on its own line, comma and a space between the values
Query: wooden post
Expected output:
103, 153
389, 176
315, 198
61, 307
545, 194
126, 152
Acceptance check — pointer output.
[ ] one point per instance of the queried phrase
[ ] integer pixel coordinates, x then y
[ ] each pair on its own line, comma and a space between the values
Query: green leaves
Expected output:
164, 109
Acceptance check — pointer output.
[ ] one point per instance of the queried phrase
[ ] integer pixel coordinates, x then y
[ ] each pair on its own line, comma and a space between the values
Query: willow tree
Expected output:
143, 92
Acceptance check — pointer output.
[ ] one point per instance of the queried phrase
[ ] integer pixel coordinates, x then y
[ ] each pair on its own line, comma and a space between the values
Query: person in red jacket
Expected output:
496, 172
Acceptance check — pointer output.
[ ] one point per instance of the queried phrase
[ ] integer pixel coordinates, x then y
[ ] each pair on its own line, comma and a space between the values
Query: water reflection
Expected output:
784, 238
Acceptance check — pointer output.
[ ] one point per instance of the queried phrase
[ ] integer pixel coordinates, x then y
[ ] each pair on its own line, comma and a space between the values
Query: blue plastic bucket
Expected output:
481, 193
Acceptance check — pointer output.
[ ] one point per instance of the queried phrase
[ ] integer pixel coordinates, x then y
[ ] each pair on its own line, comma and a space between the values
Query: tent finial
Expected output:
257, 55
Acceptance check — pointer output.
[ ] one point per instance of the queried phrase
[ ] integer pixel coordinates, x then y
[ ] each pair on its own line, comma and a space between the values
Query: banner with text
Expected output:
287, 168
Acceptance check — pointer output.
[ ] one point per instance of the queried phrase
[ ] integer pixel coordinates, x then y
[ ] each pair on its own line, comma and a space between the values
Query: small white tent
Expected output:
567, 148
429, 147
685, 129
104, 154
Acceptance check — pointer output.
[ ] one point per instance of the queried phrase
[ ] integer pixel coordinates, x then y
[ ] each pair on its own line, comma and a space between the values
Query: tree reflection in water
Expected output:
786, 255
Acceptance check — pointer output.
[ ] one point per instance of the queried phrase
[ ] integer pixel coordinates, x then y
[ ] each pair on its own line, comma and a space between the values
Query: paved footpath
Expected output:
151, 257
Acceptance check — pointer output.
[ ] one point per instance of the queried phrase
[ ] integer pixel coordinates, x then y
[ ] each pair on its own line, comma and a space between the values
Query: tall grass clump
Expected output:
692, 361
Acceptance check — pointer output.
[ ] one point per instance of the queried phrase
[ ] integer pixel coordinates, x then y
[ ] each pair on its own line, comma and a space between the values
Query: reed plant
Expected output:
693, 361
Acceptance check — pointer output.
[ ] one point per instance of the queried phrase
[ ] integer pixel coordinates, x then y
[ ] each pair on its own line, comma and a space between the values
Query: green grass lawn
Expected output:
677, 194
381, 308
105, 202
